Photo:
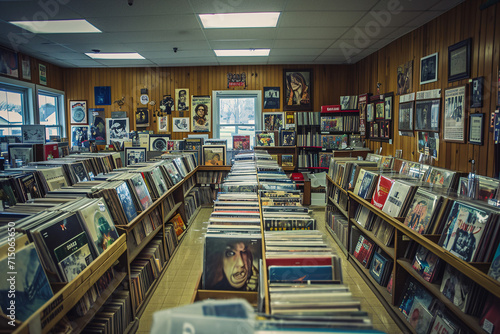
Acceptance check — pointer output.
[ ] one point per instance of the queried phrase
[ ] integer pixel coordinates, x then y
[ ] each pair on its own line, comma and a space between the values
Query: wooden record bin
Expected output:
119, 255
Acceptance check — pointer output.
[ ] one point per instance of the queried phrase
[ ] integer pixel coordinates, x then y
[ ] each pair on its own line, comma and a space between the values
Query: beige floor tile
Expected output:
175, 291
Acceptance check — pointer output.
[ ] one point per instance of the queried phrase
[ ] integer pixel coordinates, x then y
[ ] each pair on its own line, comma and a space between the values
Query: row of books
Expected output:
337, 223
214, 177
308, 159
309, 138
307, 118
341, 141
336, 123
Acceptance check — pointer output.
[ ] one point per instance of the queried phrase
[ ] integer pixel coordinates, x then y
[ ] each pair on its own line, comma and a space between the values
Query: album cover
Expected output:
241, 142
125, 198
158, 142
99, 224
421, 211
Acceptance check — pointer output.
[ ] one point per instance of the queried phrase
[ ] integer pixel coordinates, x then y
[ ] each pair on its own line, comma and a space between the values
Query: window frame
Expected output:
60, 107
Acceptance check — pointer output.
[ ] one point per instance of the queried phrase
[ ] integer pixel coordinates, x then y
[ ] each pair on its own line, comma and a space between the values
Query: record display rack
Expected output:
403, 269
280, 150
331, 183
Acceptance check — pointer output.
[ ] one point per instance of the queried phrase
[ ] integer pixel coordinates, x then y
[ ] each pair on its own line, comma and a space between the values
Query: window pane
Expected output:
48, 109
11, 108
10, 131
237, 110
51, 131
226, 132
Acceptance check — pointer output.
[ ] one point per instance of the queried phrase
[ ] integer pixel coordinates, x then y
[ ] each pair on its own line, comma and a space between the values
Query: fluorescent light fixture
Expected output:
240, 20
57, 26
119, 55
244, 52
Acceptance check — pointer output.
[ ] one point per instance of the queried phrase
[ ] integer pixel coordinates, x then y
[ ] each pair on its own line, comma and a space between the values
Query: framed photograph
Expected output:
476, 126
287, 160
406, 116
158, 142
180, 124
370, 115
298, 90
117, 129
273, 121
387, 129
142, 117
476, 98
388, 105
26, 67
182, 99
163, 124
427, 115
265, 138
42, 74
379, 110
33, 134
428, 143
459, 60
78, 112
102, 95
405, 78
429, 69
454, 115
200, 114
9, 63
287, 138
214, 155
97, 126
79, 135
375, 130
271, 98
135, 155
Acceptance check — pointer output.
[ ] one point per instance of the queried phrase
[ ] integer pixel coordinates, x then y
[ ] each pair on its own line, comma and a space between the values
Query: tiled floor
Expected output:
179, 281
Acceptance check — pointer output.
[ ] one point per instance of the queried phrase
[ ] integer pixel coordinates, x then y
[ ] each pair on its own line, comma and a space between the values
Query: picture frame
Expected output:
79, 135
241, 142
201, 113
349, 102
102, 95
287, 160
78, 112
406, 116
271, 98
459, 60
476, 129
117, 129
142, 118
182, 99
158, 142
97, 126
454, 115
387, 133
298, 87
427, 113
428, 143
162, 124
25, 67
375, 132
42, 74
35, 134
405, 78
388, 105
273, 121
265, 138
379, 110
476, 95
214, 155
429, 68
370, 112
135, 155
9, 57
180, 124
288, 138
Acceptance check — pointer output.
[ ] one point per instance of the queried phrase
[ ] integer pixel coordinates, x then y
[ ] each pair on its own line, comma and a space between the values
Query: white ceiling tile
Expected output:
296, 52
310, 33
301, 58
154, 22
329, 60
392, 20
367, 34
245, 44
239, 34
237, 6
68, 55
423, 19
179, 54
445, 5
302, 43
333, 52
33, 11
202, 60
106, 8
320, 19
168, 46
103, 47
319, 5
125, 62
405, 5
49, 48
242, 60
87, 63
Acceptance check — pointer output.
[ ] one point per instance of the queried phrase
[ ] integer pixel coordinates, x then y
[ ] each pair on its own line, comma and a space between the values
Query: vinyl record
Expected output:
159, 144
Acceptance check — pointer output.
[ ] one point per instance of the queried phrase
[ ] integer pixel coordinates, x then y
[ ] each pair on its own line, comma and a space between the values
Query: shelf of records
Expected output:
416, 229
87, 255
270, 234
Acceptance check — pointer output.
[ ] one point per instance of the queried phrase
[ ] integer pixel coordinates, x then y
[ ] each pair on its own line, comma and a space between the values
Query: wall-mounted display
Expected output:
78, 112
476, 126
454, 115
180, 124
26, 67
271, 97
429, 69
42, 74
10, 64
298, 90
406, 116
97, 126
163, 123
405, 78
117, 129
79, 135
427, 115
388, 105
476, 99
379, 110
142, 117
200, 114
182, 99
102, 95
459, 60
428, 143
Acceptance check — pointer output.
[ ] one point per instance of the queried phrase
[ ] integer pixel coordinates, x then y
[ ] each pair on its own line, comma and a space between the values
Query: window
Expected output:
236, 113
11, 111
49, 112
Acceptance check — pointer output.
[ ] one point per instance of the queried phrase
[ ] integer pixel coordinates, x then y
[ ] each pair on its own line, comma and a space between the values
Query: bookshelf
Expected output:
403, 268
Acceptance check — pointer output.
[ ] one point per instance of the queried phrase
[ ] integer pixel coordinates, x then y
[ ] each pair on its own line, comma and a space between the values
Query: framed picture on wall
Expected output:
476, 98
79, 135
180, 124
406, 116
476, 126
10, 64
273, 120
182, 99
459, 60
117, 129
428, 69
78, 112
163, 124
388, 105
26, 67
405, 78
379, 110
298, 86
142, 117
271, 97
427, 115
200, 113
454, 115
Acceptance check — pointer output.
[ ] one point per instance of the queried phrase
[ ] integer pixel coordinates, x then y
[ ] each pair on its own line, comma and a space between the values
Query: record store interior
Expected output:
230, 166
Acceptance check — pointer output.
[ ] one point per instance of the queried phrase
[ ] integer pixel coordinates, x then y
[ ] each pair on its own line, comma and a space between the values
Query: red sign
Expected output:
332, 108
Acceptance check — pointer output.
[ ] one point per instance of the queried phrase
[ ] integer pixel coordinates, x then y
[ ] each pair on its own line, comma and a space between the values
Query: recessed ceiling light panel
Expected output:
119, 55
243, 53
240, 20
57, 26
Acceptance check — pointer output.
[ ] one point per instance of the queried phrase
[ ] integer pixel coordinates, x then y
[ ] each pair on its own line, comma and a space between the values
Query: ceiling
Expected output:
308, 31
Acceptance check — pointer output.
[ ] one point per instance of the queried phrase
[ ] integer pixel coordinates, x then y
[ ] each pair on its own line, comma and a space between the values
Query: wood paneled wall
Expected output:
329, 84
462, 22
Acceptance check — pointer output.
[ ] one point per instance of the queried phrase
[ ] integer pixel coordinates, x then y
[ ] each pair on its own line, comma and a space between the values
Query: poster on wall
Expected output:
78, 112
42, 73
405, 78
162, 124
428, 143
79, 135
200, 114
9, 64
97, 125
102, 95
182, 99
26, 67
142, 117
454, 114
117, 129
271, 97
180, 124
298, 90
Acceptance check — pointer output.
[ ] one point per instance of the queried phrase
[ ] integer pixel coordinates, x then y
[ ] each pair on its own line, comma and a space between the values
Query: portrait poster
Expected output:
428, 68
9, 64
214, 155
78, 112
42, 74
102, 95
79, 135
182, 99
427, 115
454, 114
298, 90
117, 129
271, 98
273, 121
405, 78
201, 113
33, 134
180, 124
428, 143
406, 116
135, 155
26, 67
97, 125
476, 99
142, 117
162, 124
379, 110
